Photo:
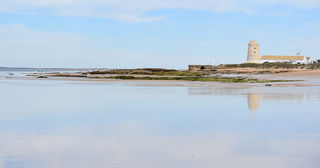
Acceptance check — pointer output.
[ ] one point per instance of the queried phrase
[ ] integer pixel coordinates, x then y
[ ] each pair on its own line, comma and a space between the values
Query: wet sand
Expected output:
315, 73
306, 78
81, 122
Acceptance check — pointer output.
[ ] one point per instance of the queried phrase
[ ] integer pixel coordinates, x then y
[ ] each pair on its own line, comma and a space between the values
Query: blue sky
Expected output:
153, 33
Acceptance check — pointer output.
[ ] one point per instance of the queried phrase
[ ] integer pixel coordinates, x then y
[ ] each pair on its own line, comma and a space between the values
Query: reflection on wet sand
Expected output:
255, 99
50, 124
221, 90
157, 151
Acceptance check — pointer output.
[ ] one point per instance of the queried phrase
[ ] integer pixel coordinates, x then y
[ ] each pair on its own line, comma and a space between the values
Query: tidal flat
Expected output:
172, 75
80, 122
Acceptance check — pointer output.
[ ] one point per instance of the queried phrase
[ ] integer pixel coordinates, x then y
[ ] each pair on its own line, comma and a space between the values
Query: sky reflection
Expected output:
78, 124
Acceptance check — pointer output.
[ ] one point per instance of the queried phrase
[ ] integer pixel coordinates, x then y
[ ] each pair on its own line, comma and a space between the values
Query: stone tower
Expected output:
253, 52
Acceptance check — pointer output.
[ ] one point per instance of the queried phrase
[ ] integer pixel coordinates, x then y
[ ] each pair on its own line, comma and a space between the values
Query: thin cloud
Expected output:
135, 10
57, 49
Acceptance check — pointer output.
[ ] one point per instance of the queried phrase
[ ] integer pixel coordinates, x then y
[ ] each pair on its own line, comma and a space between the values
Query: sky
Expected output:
153, 33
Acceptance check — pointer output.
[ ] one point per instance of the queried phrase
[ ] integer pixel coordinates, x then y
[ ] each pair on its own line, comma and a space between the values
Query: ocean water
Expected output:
116, 124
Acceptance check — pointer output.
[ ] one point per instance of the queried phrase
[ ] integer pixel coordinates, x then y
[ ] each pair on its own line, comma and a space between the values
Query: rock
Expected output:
42, 77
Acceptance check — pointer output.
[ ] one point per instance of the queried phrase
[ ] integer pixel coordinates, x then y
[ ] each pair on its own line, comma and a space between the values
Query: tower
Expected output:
298, 52
253, 52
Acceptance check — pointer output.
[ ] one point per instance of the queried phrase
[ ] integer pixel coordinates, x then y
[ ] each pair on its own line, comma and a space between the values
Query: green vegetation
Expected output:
166, 74
148, 71
202, 79
174, 73
185, 75
69, 75
275, 65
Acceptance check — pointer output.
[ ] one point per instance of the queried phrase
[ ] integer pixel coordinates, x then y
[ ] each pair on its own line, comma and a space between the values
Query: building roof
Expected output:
308, 58
279, 57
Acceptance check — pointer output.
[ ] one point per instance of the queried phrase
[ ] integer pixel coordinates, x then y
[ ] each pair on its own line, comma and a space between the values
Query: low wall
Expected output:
200, 67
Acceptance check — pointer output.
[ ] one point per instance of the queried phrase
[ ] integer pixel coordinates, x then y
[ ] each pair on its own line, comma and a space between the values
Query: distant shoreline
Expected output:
49, 69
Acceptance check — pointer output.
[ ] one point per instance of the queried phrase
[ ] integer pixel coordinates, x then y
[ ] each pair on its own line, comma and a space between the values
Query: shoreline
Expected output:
158, 74
300, 79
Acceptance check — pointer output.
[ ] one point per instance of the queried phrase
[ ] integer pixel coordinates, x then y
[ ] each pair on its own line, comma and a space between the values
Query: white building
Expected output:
254, 57
288, 59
